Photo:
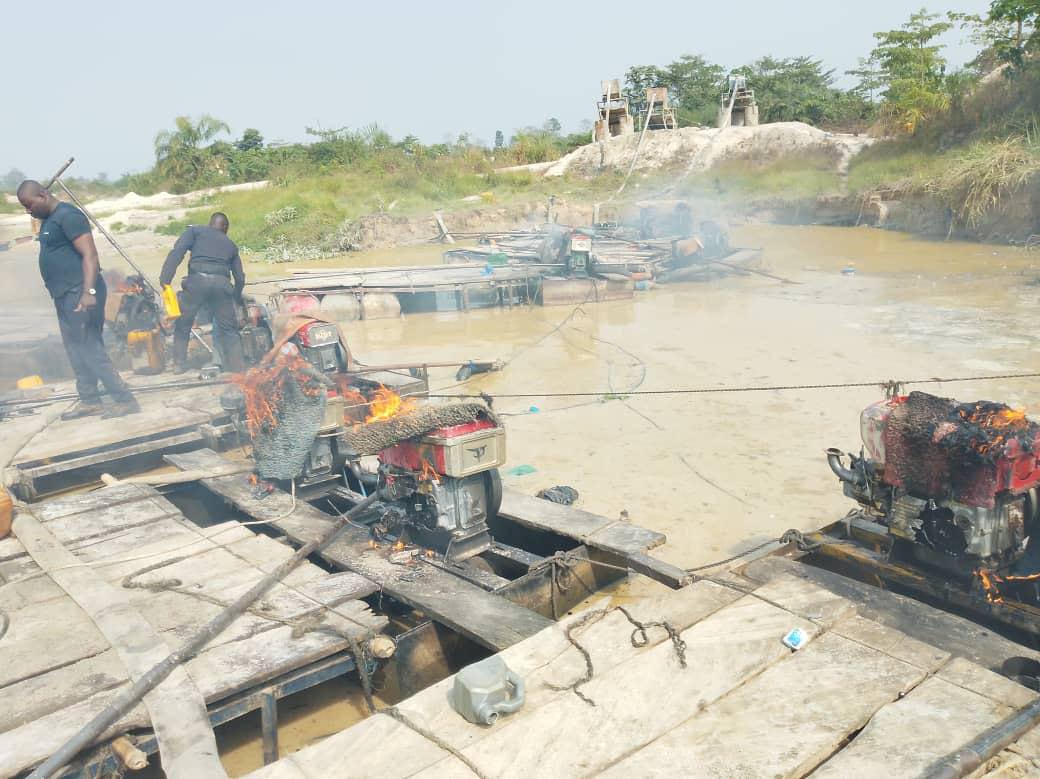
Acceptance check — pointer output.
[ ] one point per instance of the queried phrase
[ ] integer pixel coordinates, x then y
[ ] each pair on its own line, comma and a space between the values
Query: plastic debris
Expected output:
561, 494
795, 639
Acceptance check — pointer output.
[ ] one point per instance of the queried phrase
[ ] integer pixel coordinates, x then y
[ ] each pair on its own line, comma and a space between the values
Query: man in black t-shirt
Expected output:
71, 272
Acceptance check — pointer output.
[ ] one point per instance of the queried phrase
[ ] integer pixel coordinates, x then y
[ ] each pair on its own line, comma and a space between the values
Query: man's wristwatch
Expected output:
91, 291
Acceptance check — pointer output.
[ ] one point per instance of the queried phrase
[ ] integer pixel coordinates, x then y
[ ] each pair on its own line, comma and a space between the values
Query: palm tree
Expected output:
179, 152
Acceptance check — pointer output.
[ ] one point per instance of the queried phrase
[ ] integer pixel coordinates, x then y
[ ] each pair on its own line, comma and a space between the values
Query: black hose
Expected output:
132, 695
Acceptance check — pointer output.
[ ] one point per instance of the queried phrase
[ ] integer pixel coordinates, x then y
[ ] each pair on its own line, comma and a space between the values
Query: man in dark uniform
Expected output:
71, 272
214, 263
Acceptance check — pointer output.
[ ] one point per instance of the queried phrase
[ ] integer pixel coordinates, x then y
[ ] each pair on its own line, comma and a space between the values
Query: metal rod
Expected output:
753, 270
488, 364
50, 182
118, 248
987, 744
105, 233
132, 695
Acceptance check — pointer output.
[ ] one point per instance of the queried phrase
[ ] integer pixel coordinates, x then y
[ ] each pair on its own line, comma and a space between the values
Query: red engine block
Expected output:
928, 467
434, 449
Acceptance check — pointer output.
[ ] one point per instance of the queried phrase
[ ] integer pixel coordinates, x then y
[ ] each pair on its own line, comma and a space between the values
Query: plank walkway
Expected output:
858, 700
168, 420
63, 656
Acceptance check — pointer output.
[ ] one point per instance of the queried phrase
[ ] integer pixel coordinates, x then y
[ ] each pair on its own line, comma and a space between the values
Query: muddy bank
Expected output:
1015, 221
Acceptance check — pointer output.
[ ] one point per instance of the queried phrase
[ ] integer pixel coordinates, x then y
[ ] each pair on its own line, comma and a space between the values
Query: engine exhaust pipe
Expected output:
845, 474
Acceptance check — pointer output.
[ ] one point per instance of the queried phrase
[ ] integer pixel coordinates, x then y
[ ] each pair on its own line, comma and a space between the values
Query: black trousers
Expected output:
202, 290
81, 334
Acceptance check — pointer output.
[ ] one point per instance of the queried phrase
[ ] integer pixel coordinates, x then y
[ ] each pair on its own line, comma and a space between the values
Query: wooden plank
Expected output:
66, 439
112, 519
905, 738
979, 680
81, 502
485, 618
893, 643
45, 693
542, 660
623, 539
219, 671
112, 454
176, 708
43, 637
637, 699
948, 632
784, 722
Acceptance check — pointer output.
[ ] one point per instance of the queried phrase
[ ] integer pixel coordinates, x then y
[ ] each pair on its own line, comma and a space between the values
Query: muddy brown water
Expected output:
716, 472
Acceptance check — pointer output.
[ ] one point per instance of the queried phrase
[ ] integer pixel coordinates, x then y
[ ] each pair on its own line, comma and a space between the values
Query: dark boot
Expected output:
81, 410
122, 409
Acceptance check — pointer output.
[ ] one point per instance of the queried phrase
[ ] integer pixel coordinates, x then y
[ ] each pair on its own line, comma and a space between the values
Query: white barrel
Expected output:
340, 307
380, 305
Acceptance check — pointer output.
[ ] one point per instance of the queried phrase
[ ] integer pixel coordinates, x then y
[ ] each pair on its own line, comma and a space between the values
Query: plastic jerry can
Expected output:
170, 303
485, 690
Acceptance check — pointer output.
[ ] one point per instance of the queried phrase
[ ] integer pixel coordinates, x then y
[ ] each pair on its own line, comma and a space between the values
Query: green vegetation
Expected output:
314, 216
787, 90
967, 137
795, 176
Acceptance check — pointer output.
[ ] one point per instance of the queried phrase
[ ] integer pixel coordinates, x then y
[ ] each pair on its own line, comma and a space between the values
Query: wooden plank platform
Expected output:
488, 619
58, 669
169, 421
858, 699
627, 541
420, 278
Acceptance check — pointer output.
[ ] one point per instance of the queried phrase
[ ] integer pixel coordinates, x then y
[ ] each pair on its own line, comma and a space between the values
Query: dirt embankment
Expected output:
1015, 220
377, 231
696, 149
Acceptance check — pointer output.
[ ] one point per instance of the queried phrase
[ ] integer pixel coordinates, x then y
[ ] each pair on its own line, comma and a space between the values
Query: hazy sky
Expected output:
98, 79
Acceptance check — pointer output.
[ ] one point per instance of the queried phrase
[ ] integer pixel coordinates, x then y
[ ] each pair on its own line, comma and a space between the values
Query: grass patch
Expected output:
315, 216
10, 208
804, 175
894, 164
979, 178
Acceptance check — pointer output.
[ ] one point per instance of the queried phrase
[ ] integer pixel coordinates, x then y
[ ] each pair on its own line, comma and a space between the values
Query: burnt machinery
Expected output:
140, 330
952, 488
338, 432
137, 327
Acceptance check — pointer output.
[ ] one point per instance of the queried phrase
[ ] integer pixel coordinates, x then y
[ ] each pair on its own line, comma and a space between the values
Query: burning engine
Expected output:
329, 431
957, 485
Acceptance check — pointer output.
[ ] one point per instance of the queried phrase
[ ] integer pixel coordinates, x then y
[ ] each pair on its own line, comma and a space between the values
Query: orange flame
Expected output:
429, 473
386, 404
989, 584
1003, 419
398, 545
263, 388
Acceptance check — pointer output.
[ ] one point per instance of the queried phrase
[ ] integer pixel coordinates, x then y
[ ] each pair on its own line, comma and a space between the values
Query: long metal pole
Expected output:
986, 745
107, 234
50, 182
115, 244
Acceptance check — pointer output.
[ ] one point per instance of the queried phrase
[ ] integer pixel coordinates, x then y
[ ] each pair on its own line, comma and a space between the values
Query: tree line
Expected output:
903, 85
